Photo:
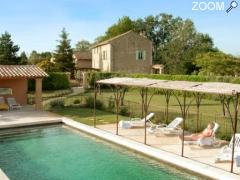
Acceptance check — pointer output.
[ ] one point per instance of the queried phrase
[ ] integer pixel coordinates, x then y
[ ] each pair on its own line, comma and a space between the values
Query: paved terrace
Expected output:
26, 116
173, 144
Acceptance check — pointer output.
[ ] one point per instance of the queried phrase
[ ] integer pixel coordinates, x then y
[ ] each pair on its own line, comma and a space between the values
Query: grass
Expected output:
85, 115
210, 110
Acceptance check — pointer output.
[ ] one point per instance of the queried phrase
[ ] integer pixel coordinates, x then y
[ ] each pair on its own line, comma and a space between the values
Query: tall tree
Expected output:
8, 51
23, 58
63, 54
82, 45
218, 63
36, 57
123, 25
175, 42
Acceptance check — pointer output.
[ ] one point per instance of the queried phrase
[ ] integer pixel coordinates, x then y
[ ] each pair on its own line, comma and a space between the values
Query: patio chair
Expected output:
13, 104
225, 154
3, 105
136, 122
170, 129
206, 141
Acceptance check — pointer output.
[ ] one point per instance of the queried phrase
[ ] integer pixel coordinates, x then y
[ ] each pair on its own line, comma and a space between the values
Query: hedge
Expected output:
55, 81
92, 76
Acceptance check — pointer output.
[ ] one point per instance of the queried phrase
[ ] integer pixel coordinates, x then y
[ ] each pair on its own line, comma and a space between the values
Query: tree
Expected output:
8, 51
82, 45
23, 58
175, 42
36, 58
218, 63
46, 65
123, 25
63, 54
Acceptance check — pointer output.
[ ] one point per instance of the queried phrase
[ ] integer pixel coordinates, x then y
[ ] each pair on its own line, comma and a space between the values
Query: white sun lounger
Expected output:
225, 153
170, 129
13, 104
135, 122
206, 141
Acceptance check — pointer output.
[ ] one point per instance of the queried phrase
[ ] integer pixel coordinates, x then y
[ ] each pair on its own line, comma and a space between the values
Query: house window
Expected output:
140, 55
5, 91
104, 55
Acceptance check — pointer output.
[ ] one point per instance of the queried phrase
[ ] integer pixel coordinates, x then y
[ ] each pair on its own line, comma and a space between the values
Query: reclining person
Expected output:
205, 133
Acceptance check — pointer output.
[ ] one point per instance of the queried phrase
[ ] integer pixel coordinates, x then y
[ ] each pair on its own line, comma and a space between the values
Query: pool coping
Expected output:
33, 123
3, 176
170, 158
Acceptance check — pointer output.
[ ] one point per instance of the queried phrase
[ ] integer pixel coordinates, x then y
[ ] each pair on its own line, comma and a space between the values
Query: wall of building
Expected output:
84, 63
124, 54
101, 58
19, 89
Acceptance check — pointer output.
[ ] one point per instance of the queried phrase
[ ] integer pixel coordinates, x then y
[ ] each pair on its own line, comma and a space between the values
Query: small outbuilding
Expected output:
158, 69
14, 82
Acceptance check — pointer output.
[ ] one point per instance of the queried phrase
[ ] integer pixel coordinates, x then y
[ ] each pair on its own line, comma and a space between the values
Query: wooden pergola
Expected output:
118, 84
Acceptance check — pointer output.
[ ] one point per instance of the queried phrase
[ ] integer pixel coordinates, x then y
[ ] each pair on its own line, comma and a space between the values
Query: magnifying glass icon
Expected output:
233, 4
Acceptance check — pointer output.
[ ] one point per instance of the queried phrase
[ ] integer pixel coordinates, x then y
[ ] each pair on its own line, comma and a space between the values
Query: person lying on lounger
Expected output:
205, 133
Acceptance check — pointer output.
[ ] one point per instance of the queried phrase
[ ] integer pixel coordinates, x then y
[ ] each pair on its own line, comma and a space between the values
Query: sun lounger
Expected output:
13, 104
3, 105
135, 122
225, 153
206, 141
170, 129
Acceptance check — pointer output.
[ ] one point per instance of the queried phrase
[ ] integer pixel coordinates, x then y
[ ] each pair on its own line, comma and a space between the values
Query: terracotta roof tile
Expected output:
21, 71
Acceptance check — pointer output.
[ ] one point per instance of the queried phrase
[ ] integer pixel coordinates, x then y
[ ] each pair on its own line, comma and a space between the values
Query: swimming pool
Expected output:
60, 152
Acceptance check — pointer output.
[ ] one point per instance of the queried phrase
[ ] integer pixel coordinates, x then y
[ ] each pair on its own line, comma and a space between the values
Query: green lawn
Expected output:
210, 110
85, 115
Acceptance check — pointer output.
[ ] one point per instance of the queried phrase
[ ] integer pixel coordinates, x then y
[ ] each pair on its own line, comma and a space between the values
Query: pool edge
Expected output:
170, 158
3, 176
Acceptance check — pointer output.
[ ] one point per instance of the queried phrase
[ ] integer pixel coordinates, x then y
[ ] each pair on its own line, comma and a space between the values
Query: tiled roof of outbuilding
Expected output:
21, 71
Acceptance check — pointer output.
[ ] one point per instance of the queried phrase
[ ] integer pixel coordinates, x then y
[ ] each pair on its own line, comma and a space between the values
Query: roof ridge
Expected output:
115, 37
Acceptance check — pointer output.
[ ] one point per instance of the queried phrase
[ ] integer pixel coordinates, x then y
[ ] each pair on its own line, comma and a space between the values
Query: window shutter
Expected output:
137, 54
144, 55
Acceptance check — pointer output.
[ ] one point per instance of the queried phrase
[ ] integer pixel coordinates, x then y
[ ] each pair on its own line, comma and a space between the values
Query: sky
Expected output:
36, 25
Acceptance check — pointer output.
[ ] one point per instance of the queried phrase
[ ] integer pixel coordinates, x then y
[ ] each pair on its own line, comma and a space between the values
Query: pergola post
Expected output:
145, 106
167, 94
236, 107
184, 118
118, 92
38, 94
198, 99
145, 115
94, 105
184, 109
142, 103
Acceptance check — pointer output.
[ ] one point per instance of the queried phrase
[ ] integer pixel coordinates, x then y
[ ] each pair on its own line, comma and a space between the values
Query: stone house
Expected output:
128, 52
82, 59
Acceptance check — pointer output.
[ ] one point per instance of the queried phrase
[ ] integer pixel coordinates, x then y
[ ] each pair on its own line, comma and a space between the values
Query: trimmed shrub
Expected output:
90, 103
94, 76
124, 111
76, 101
55, 81
57, 103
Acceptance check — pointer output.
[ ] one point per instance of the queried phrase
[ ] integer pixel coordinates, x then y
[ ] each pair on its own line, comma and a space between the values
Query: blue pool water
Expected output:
59, 152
